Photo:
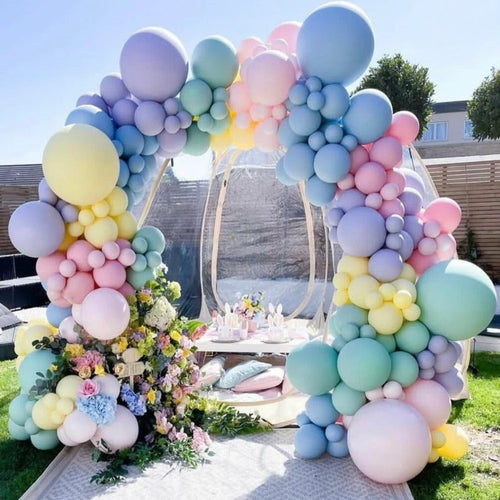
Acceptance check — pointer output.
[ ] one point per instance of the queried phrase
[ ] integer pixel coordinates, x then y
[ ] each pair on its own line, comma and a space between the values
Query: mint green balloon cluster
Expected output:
148, 244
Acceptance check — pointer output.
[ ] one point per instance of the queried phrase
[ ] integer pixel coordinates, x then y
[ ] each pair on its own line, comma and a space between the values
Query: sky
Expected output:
52, 51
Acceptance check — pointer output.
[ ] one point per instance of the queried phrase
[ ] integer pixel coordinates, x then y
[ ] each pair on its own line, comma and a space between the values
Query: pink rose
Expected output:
89, 388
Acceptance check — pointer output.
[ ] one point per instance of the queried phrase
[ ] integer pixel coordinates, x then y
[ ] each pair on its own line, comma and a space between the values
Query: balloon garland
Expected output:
381, 391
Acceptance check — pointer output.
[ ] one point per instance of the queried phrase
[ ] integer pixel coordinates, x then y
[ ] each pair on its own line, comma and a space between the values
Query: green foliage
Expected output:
484, 108
406, 85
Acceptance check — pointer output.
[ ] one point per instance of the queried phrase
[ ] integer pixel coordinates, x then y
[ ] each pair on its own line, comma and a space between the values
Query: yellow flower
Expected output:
75, 350
144, 297
119, 369
151, 379
185, 353
85, 372
99, 370
53, 368
123, 343
151, 396
175, 335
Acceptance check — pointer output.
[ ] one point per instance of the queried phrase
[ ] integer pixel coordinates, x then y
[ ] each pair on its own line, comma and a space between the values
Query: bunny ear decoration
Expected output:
279, 308
271, 308
270, 321
227, 308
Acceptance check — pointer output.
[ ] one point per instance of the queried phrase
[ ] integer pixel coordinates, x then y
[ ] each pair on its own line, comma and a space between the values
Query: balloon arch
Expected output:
381, 391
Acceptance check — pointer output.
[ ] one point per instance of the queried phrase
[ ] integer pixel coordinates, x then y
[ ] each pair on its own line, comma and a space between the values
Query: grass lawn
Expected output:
475, 477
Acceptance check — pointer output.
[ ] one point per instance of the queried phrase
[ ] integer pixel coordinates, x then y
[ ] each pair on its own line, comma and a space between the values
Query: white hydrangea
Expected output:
161, 315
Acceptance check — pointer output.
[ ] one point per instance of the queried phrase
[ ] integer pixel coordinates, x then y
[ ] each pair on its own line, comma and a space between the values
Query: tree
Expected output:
406, 85
484, 108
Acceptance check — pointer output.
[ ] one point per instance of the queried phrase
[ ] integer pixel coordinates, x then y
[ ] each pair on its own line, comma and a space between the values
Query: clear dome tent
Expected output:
235, 229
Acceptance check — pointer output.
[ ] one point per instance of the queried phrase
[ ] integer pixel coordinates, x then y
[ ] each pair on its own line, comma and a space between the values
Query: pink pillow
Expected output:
271, 377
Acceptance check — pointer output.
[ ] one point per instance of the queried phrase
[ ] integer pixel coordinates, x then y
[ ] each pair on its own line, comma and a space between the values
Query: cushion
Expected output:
287, 385
272, 377
211, 371
240, 372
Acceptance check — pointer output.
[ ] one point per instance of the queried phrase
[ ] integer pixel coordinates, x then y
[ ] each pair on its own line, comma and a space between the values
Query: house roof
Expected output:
20, 175
449, 106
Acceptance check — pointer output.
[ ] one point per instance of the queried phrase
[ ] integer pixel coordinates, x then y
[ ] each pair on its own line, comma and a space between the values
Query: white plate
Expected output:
268, 341
222, 341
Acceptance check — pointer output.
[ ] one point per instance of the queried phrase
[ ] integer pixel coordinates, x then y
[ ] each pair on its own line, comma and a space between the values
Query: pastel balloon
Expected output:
36, 229
119, 434
94, 116
413, 180
387, 151
36, 361
67, 330
318, 192
269, 77
108, 384
368, 116
332, 163
79, 253
298, 162
78, 287
197, 142
404, 127
123, 112
386, 319
446, 211
304, 121
390, 207
78, 427
281, 174
412, 201
111, 275
365, 221
359, 156
321, 411
350, 199
80, 164
94, 99
288, 32
431, 400
456, 444
346, 400
68, 387
370, 177
336, 101
55, 315
113, 89
310, 441
404, 368
457, 299
172, 144
452, 381
102, 230
412, 337
105, 313
149, 117
44, 439
385, 265
159, 54
214, 60
196, 97
389, 441
335, 43
345, 315
131, 139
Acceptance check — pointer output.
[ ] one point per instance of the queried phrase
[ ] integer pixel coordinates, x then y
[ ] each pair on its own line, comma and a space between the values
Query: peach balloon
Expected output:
446, 211
404, 127
46, 266
78, 287
79, 253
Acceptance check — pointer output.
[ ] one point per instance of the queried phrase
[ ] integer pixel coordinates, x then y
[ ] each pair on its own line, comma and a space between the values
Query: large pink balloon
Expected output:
46, 266
105, 313
431, 400
111, 275
287, 31
404, 127
370, 177
446, 211
421, 262
119, 434
79, 253
359, 156
269, 78
389, 441
78, 287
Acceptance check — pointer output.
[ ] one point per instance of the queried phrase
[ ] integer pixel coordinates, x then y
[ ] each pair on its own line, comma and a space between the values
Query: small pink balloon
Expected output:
447, 246
269, 78
57, 299
78, 287
78, 427
359, 156
370, 177
347, 182
123, 243
404, 127
127, 257
387, 151
66, 330
280, 45
126, 289
432, 228
390, 207
279, 112
246, 48
427, 246
287, 31
105, 313
46, 266
421, 262
79, 252
242, 120
389, 191
96, 259
259, 112
374, 200
56, 283
111, 250
239, 99
398, 178
121, 433
67, 268
446, 211
111, 275
264, 141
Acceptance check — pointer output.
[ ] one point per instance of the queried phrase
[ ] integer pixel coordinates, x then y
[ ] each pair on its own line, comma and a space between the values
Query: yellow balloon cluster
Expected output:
67, 387
438, 441
81, 164
105, 220
50, 411
389, 304
456, 442
26, 335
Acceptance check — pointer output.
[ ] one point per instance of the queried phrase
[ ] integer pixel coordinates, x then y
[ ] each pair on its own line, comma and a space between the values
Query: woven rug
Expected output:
260, 466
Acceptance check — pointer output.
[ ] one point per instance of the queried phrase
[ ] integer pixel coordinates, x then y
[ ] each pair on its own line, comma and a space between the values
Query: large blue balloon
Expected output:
335, 43
369, 115
332, 163
298, 162
318, 192
94, 116
310, 441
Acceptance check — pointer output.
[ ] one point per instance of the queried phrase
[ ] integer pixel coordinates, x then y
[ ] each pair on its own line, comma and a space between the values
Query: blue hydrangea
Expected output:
135, 403
101, 408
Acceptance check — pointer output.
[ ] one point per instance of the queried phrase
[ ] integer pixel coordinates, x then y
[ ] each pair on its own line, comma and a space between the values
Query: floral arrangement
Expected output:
136, 393
250, 305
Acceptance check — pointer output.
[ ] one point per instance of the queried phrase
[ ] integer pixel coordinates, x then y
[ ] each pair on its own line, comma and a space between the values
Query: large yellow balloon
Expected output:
387, 319
242, 138
457, 442
81, 164
354, 266
23, 344
68, 386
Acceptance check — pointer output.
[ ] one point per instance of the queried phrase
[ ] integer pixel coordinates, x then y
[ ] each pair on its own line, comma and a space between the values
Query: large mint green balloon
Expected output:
197, 142
17, 432
214, 60
348, 313
312, 368
196, 97
347, 400
17, 409
457, 299
45, 440
364, 364
36, 361
412, 337
404, 368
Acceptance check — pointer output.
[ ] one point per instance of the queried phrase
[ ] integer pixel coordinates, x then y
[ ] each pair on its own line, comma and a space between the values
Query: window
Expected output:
468, 129
437, 131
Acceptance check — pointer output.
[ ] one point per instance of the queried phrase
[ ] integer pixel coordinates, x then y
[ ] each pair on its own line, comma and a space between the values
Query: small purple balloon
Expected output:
452, 381
46, 194
385, 265
415, 228
394, 223
123, 112
394, 241
361, 232
154, 64
69, 213
172, 144
408, 246
412, 201
426, 373
350, 199
438, 344
425, 359
113, 89
149, 117
94, 99
413, 180
172, 124
446, 360
333, 216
